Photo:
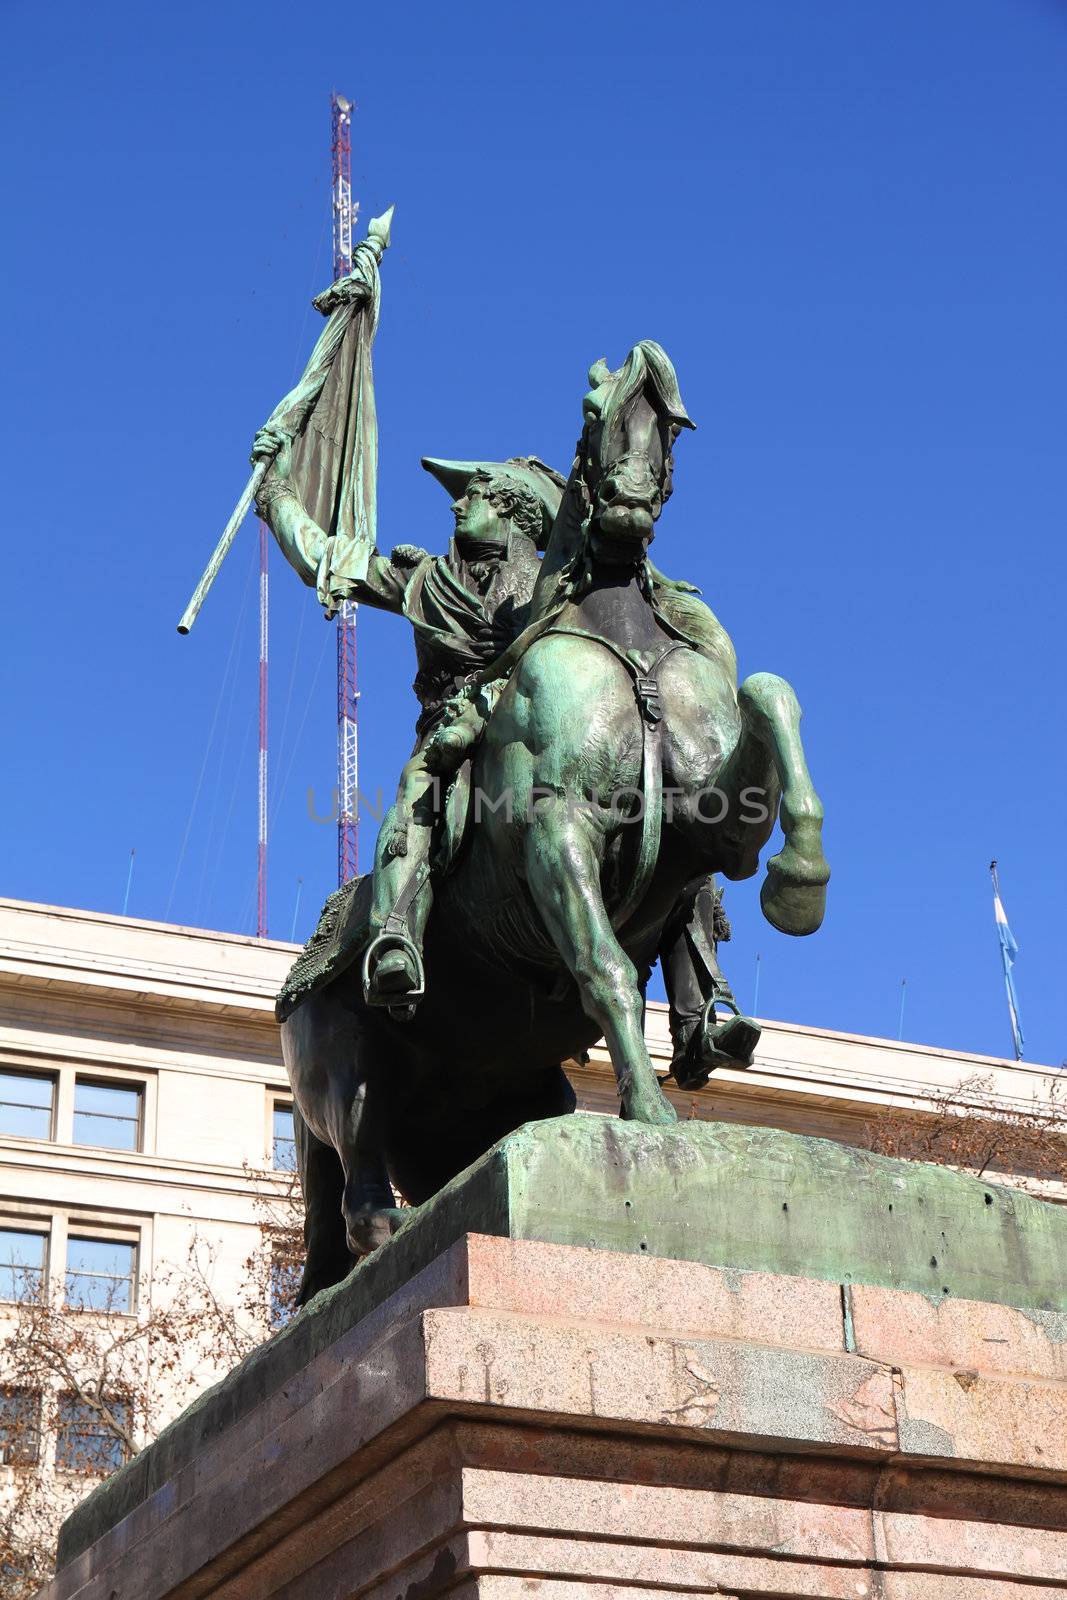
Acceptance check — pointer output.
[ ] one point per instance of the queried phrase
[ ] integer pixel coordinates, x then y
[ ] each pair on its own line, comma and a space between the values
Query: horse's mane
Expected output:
647, 365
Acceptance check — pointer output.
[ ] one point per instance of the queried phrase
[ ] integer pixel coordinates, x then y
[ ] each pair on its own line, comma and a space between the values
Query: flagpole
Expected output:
1008, 951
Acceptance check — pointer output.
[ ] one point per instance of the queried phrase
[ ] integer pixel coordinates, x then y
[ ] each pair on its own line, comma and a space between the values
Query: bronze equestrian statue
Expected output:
614, 767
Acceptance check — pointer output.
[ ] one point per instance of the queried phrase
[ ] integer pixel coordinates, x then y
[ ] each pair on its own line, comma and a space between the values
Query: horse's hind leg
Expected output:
327, 1258
369, 1206
563, 875
327, 1056
793, 895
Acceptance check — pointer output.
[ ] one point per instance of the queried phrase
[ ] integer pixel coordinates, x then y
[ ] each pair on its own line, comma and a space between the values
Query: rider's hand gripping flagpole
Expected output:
342, 302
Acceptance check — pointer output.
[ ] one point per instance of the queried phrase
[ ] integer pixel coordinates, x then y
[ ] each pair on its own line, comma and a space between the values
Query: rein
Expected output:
642, 671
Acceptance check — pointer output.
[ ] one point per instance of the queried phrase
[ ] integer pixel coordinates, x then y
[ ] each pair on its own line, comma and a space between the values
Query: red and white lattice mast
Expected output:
345, 213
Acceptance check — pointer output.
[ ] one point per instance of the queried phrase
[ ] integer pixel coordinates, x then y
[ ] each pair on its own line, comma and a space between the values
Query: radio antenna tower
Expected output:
345, 214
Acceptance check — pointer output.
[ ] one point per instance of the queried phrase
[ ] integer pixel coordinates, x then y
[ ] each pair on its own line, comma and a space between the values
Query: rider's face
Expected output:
478, 518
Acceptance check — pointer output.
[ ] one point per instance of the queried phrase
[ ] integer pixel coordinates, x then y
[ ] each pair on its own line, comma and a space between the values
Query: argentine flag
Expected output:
1008, 951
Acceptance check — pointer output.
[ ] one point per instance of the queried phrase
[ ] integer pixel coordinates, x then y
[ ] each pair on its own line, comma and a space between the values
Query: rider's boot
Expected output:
696, 985
393, 973
715, 1042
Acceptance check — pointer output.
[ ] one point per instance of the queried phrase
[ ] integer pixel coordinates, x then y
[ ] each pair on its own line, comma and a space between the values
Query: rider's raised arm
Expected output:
302, 541
331, 566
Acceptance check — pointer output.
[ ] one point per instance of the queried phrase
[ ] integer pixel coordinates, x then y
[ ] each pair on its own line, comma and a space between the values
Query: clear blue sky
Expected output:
847, 223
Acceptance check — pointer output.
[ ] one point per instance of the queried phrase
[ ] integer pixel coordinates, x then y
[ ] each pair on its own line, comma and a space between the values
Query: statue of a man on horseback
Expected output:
585, 761
633, 767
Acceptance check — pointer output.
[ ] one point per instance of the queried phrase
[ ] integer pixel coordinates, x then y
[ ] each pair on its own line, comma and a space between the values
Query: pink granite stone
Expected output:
493, 1586
720, 1386
668, 1566
673, 1516
976, 1549
552, 1281
951, 1586
984, 1418
531, 1420
900, 1328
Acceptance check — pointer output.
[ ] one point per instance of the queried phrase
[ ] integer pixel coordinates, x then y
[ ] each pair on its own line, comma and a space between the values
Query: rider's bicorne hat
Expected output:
527, 472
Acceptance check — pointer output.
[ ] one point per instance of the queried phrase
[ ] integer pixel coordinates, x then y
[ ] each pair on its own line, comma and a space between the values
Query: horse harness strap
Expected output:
643, 673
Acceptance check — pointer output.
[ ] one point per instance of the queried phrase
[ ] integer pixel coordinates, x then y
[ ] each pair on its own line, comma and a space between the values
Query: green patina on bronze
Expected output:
748, 1199
585, 761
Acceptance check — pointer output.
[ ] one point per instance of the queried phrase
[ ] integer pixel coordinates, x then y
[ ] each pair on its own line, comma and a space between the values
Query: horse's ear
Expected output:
599, 373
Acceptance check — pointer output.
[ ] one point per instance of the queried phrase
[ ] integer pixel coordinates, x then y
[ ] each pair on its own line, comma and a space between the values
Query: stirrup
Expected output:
404, 1009
699, 1059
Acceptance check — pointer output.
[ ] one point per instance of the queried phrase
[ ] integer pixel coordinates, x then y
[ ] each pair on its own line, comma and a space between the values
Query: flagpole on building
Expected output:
1008, 951
129, 881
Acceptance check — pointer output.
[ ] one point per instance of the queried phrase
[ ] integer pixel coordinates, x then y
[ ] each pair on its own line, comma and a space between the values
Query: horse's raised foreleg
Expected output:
563, 874
793, 895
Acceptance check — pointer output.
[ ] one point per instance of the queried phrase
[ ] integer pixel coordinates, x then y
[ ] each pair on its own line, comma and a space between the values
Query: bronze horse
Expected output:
621, 761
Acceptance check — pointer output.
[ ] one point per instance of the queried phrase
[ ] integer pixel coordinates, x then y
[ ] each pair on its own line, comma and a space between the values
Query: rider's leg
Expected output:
563, 874
403, 891
695, 984
401, 896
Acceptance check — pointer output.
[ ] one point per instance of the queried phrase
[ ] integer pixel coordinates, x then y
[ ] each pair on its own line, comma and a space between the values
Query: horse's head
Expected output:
632, 418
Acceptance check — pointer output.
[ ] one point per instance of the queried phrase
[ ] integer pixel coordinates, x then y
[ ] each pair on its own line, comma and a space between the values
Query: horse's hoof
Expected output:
369, 1229
322, 1274
794, 898
729, 1043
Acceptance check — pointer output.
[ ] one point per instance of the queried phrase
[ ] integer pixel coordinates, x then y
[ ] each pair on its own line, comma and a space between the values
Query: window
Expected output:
285, 1275
100, 1274
22, 1263
20, 1427
26, 1101
107, 1114
89, 1440
284, 1148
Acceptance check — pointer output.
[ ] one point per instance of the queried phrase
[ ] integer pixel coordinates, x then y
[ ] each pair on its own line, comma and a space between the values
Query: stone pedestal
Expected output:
479, 1412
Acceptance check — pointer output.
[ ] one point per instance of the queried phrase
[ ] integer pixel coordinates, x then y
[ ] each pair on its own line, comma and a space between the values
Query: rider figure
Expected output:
465, 606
